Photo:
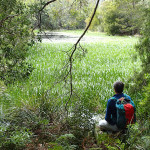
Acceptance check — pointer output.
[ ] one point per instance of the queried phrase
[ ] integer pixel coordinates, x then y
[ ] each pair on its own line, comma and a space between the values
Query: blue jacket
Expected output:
111, 111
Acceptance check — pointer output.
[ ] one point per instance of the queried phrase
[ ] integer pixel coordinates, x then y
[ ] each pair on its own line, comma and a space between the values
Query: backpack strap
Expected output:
126, 96
123, 101
113, 98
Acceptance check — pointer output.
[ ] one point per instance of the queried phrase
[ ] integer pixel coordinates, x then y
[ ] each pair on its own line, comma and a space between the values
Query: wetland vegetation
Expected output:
53, 85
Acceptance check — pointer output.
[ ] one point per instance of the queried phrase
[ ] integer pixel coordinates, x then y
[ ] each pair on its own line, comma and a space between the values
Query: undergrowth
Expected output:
33, 112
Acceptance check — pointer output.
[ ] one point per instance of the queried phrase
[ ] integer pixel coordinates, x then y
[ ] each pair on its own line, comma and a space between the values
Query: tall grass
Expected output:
93, 75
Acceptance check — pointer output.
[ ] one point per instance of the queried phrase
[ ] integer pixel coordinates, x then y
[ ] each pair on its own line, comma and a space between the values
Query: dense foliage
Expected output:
63, 14
142, 81
119, 17
33, 112
15, 40
144, 43
68, 14
143, 48
41, 109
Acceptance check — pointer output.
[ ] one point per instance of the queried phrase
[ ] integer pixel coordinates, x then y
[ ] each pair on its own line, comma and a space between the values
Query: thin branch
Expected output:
40, 13
46, 4
75, 48
85, 29
8, 17
69, 65
89, 22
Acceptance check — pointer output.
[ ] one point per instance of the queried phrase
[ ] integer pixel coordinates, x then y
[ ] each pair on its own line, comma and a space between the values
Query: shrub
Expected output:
15, 40
144, 43
144, 105
12, 138
118, 17
66, 141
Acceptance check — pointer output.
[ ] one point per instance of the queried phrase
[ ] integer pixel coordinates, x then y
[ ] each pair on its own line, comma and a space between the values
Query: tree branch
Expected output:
8, 17
85, 29
46, 4
39, 14
75, 48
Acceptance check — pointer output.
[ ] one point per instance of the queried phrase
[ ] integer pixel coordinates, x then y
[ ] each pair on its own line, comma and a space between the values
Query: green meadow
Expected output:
112, 58
58, 62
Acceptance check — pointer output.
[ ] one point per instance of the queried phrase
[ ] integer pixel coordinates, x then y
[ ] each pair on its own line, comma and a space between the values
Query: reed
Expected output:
114, 58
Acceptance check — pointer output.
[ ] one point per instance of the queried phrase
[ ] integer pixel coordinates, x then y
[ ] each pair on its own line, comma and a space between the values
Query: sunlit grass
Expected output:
93, 75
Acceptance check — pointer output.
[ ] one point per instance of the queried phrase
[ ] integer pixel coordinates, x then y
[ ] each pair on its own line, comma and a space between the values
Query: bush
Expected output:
144, 105
15, 40
119, 17
67, 141
144, 43
20, 126
139, 134
12, 138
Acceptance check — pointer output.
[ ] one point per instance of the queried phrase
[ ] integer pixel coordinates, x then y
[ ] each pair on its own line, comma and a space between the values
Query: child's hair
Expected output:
118, 86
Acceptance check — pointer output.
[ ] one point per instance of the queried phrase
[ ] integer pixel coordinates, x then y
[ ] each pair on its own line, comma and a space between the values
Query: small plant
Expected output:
16, 139
20, 138
138, 136
111, 142
66, 141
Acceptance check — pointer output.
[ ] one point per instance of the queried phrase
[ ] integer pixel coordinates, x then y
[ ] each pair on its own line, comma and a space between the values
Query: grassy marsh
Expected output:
114, 58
